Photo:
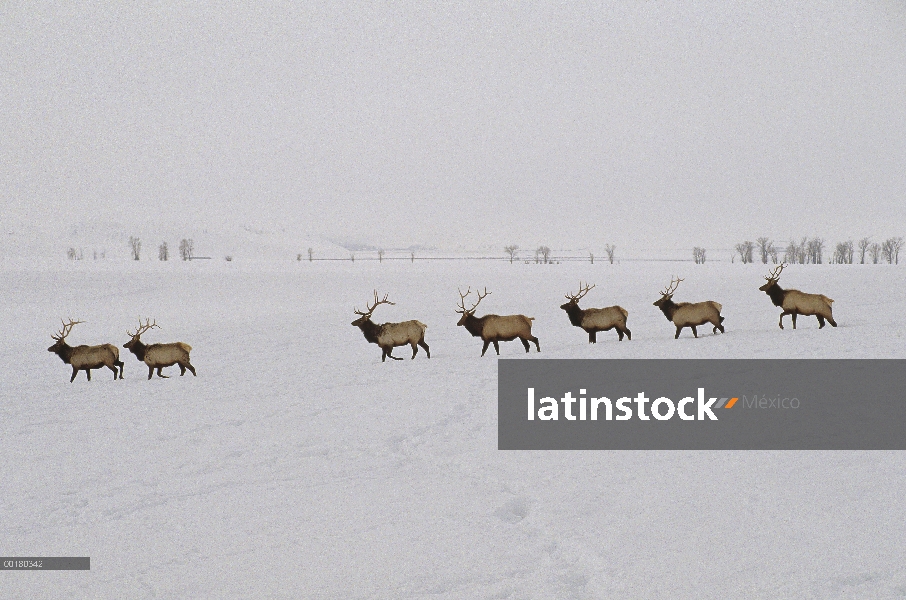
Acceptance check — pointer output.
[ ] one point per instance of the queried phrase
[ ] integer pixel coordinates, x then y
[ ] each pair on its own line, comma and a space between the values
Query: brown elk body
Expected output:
495, 328
85, 358
158, 356
390, 335
593, 320
686, 314
794, 302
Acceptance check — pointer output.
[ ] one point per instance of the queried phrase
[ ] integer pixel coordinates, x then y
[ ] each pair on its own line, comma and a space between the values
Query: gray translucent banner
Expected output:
45, 563
701, 404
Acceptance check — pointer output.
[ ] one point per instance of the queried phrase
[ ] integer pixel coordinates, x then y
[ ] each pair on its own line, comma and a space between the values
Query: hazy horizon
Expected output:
460, 124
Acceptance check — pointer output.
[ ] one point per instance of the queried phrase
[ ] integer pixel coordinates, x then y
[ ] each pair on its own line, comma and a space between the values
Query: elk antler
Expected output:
143, 328
377, 302
462, 300
581, 294
775, 275
672, 287
67, 327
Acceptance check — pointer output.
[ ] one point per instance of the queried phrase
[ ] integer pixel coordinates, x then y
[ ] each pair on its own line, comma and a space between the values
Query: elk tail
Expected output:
828, 300
184, 346
717, 305
422, 325
624, 311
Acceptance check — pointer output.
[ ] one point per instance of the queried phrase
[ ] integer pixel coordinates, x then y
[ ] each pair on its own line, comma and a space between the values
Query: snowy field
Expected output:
297, 465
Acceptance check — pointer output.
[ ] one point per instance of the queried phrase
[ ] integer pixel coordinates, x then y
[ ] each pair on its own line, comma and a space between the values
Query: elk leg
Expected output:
694, 332
820, 321
160, 374
425, 346
786, 312
120, 365
592, 338
485, 349
75, 372
150, 372
414, 350
678, 329
88, 372
628, 333
496, 348
115, 371
191, 368
537, 346
524, 344
182, 369
389, 352
794, 319
831, 321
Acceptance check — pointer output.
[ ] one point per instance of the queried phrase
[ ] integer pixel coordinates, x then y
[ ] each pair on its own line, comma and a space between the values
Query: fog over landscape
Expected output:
457, 125
297, 464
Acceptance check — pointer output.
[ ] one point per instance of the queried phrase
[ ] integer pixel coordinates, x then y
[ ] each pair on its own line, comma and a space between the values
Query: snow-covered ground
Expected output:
297, 465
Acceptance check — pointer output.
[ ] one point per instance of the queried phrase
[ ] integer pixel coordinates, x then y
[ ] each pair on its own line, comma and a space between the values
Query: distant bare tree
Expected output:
352, 256
380, 255
311, 254
73, 254
745, 250
412, 256
299, 256
890, 249
610, 249
136, 246
698, 255
545, 253
163, 253
186, 249
864, 243
875, 252
592, 257
511, 250
764, 247
815, 250
772, 251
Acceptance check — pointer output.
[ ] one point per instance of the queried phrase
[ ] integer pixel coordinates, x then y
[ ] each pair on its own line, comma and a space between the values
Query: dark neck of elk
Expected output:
574, 313
63, 350
773, 289
136, 347
473, 324
667, 306
370, 329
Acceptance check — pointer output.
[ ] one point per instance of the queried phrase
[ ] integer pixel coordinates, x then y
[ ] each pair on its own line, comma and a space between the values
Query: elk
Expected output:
794, 302
158, 356
593, 320
85, 358
686, 314
494, 328
390, 335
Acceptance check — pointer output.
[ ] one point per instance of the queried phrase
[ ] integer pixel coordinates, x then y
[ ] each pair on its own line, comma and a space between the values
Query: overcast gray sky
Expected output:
567, 123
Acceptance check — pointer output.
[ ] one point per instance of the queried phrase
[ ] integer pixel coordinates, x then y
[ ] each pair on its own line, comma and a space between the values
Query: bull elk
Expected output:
794, 302
390, 335
85, 358
593, 320
158, 356
494, 328
686, 314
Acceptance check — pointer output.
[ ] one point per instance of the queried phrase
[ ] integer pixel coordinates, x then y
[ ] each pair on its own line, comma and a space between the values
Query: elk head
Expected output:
142, 328
468, 312
667, 294
60, 337
574, 298
773, 278
365, 316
